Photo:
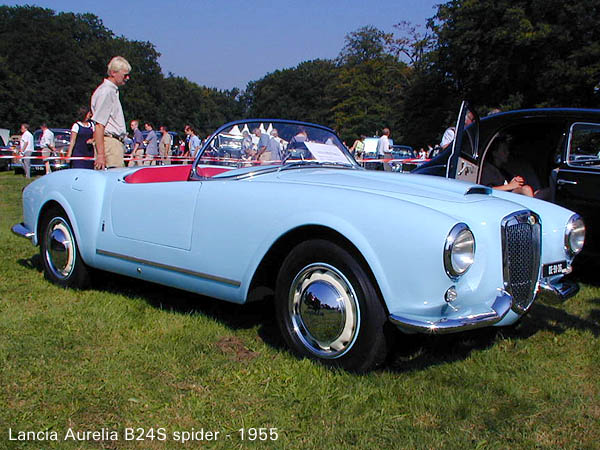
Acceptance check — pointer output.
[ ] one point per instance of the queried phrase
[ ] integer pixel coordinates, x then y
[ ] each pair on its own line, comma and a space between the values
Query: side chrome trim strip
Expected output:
171, 268
22, 231
500, 308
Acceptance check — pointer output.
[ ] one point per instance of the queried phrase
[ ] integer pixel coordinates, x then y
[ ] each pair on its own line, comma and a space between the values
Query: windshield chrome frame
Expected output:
269, 168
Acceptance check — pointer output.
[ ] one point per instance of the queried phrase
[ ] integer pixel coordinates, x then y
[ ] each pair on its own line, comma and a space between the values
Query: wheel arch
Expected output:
266, 272
49, 205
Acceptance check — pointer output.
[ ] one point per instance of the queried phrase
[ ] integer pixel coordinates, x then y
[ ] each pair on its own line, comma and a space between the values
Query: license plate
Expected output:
554, 268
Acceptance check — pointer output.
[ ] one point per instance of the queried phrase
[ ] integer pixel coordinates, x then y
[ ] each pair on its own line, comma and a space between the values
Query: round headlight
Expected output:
459, 250
574, 235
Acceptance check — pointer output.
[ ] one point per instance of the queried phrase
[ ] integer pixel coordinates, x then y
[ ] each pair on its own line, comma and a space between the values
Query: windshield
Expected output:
275, 144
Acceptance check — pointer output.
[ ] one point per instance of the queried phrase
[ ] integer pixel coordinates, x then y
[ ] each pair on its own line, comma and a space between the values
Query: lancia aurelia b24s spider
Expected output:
343, 251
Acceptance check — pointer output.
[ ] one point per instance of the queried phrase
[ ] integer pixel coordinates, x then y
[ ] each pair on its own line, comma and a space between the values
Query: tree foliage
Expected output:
520, 53
51, 63
305, 92
496, 53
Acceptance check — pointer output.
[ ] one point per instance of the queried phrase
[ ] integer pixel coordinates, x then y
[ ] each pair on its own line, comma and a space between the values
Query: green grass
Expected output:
132, 354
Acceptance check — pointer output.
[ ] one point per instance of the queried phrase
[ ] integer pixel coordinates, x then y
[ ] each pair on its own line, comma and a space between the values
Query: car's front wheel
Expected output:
328, 309
60, 255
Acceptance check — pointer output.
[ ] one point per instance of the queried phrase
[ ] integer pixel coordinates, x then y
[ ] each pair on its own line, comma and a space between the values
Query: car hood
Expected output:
403, 186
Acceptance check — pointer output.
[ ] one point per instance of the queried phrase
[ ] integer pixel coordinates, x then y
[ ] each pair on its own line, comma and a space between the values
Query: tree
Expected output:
302, 93
368, 96
365, 44
370, 85
543, 52
51, 63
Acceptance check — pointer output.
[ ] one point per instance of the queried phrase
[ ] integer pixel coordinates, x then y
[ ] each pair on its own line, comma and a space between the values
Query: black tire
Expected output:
328, 309
62, 262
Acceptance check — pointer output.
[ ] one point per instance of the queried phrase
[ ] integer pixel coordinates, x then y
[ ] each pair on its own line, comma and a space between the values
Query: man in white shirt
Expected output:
108, 115
26, 147
383, 144
47, 145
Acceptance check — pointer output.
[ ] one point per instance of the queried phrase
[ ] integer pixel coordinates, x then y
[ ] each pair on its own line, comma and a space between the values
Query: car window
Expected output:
273, 144
471, 137
584, 144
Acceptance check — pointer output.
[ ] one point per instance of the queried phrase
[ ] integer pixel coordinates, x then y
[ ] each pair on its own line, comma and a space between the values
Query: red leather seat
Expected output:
171, 173
160, 174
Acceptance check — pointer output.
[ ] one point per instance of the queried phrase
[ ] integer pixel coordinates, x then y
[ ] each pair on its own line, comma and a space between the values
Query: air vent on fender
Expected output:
483, 190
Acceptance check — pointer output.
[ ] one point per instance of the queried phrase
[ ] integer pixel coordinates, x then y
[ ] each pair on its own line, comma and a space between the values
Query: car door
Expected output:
148, 222
462, 163
578, 178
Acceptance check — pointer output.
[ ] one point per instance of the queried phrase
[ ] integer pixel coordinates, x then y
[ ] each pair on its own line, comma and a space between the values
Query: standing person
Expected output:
274, 147
166, 141
47, 145
137, 153
383, 144
450, 133
82, 138
107, 113
194, 141
26, 147
358, 148
151, 146
263, 142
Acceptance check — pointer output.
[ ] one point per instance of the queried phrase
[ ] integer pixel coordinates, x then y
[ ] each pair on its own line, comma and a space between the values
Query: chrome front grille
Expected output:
521, 245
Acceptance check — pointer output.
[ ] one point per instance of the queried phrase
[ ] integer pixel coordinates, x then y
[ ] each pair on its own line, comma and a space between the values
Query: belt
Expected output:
120, 137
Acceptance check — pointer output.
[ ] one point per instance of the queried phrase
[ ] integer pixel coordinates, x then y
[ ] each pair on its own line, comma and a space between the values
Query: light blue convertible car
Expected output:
344, 252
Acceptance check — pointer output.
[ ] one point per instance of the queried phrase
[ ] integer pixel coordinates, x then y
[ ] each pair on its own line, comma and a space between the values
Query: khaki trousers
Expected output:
113, 150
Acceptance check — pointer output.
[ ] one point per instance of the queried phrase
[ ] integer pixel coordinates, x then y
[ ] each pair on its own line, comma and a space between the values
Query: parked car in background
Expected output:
316, 233
62, 138
6, 153
556, 149
401, 158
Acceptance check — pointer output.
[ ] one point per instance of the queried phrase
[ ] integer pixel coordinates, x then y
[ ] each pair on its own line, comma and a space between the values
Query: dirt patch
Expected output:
235, 349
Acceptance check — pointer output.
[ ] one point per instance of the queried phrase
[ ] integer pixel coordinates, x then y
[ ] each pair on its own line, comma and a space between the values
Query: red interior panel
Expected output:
171, 173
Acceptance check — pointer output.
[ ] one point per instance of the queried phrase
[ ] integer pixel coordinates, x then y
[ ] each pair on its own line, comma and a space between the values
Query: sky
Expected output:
228, 43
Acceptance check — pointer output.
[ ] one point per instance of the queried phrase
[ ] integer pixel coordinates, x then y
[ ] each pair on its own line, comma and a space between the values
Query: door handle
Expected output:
561, 181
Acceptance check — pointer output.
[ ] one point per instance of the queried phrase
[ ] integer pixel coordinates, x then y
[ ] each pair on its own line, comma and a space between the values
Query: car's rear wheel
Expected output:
60, 255
328, 309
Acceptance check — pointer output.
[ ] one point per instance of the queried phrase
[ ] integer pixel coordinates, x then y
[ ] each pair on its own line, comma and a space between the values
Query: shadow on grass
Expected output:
178, 301
409, 352
417, 352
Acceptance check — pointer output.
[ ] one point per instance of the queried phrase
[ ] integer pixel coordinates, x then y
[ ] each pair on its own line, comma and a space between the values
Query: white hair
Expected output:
118, 64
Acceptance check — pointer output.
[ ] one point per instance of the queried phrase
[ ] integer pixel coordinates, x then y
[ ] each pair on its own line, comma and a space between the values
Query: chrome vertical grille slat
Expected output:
521, 246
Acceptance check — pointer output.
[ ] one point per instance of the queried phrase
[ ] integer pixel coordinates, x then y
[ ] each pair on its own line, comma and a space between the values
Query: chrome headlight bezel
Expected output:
574, 235
459, 251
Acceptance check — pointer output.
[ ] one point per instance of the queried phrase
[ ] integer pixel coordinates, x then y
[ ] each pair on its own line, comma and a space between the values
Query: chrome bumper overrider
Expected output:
558, 289
21, 230
500, 308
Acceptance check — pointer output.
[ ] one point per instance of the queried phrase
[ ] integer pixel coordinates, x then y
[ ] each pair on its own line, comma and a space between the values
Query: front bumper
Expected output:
551, 289
21, 230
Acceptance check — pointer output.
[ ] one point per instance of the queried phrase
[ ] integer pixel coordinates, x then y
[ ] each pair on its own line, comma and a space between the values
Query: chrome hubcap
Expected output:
324, 310
60, 249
